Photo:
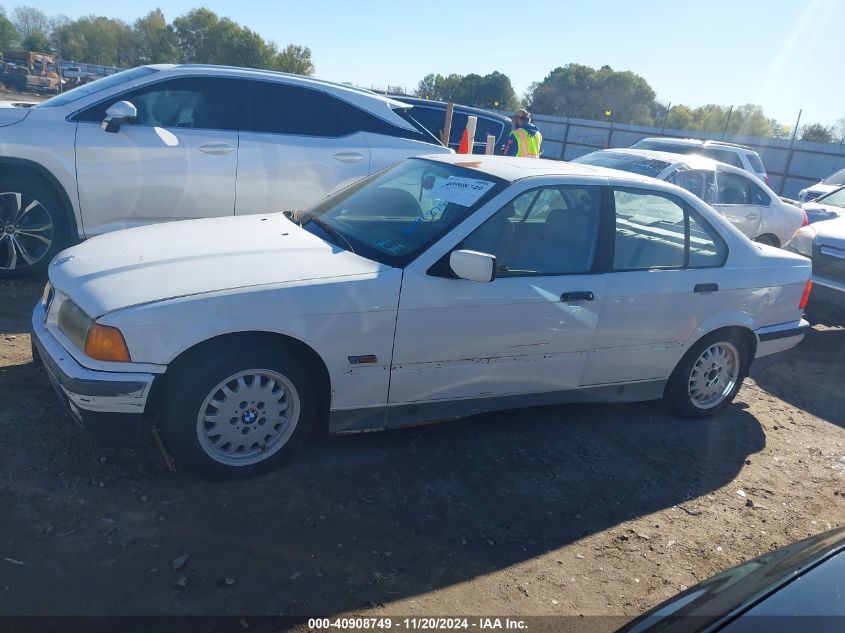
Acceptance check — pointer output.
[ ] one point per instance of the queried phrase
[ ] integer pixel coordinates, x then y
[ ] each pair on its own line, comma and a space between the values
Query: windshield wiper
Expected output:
328, 228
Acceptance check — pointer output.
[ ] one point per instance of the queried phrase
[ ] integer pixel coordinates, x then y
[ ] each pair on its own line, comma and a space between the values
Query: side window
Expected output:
650, 231
431, 118
362, 121
279, 108
546, 239
706, 248
186, 102
724, 156
733, 189
758, 196
700, 183
658, 231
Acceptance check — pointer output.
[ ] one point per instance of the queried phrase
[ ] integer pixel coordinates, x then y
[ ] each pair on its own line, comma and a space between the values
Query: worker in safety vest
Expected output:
525, 138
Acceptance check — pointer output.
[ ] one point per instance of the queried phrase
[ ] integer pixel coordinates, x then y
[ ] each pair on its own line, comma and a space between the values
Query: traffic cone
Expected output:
463, 148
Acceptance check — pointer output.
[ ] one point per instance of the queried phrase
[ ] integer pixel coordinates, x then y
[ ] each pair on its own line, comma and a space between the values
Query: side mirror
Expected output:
473, 266
118, 114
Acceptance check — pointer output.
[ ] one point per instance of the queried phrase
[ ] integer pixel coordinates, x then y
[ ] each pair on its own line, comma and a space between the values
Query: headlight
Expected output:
802, 241
101, 342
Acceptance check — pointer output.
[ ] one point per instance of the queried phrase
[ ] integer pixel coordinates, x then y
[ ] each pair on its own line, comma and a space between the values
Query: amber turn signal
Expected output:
106, 343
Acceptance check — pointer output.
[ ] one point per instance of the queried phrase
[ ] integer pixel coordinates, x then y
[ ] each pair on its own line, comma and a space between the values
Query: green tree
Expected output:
581, 91
37, 41
195, 35
488, 91
98, 40
29, 20
680, 117
817, 132
9, 36
295, 59
156, 40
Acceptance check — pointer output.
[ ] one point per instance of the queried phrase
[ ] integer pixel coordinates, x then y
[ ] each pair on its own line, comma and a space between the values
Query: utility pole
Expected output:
665, 116
791, 154
727, 121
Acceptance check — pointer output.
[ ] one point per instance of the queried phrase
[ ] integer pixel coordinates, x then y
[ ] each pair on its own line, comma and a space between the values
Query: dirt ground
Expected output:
572, 510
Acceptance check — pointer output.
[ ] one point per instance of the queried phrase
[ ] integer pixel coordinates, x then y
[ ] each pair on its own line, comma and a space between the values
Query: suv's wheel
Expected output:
32, 227
233, 413
709, 376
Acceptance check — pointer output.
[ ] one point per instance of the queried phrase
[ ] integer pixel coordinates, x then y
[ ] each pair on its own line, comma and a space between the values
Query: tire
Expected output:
708, 377
33, 226
768, 239
235, 388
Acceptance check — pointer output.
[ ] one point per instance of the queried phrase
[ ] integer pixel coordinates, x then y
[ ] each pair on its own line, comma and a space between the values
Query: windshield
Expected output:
836, 179
96, 86
836, 198
625, 162
396, 214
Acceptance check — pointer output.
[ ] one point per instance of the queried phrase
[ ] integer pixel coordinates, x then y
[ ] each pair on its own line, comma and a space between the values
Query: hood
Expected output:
818, 211
164, 261
12, 112
831, 233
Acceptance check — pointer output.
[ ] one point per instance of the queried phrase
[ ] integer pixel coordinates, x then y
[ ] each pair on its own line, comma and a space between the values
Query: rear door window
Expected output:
280, 108
722, 155
756, 163
733, 189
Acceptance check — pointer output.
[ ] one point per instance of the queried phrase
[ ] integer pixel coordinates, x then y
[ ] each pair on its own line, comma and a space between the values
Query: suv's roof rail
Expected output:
727, 144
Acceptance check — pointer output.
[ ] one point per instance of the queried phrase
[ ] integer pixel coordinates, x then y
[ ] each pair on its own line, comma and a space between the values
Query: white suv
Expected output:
729, 153
165, 142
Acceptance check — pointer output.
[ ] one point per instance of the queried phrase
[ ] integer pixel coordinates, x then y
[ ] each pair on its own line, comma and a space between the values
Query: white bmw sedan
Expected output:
442, 287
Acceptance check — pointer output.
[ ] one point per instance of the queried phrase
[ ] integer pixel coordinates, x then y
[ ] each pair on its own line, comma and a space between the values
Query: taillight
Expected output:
806, 296
806, 220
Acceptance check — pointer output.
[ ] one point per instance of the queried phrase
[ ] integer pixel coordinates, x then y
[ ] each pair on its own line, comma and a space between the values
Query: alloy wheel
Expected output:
27, 232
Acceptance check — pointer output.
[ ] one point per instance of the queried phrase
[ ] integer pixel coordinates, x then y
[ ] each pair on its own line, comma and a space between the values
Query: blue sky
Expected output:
781, 54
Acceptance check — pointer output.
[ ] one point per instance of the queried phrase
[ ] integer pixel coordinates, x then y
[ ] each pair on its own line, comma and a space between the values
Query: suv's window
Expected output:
733, 189
756, 163
103, 83
722, 155
280, 108
660, 146
554, 234
657, 231
186, 102
360, 120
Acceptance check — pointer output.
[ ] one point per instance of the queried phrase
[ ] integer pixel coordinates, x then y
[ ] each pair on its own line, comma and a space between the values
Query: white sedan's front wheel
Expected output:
229, 413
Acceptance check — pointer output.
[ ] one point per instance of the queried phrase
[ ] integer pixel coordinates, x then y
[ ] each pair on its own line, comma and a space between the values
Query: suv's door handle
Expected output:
216, 148
348, 157
706, 288
579, 295
752, 216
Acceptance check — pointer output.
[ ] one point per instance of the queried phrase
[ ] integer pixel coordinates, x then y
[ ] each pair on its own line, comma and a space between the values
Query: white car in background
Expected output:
729, 153
823, 187
827, 207
162, 143
824, 243
443, 287
741, 197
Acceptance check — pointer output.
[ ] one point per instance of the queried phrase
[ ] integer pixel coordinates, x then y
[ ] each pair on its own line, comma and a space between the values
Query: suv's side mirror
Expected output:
118, 114
473, 266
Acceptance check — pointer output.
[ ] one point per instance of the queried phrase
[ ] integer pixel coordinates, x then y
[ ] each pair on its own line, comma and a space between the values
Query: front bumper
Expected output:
109, 404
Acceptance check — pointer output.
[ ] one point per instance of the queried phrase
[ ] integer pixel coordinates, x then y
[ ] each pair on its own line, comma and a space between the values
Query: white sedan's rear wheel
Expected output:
708, 377
237, 410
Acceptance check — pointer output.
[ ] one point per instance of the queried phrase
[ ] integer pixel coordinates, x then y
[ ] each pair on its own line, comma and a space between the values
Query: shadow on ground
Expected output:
811, 376
351, 522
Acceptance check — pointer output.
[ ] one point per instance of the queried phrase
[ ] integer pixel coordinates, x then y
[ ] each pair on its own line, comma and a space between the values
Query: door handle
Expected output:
348, 157
706, 288
752, 216
579, 295
216, 148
